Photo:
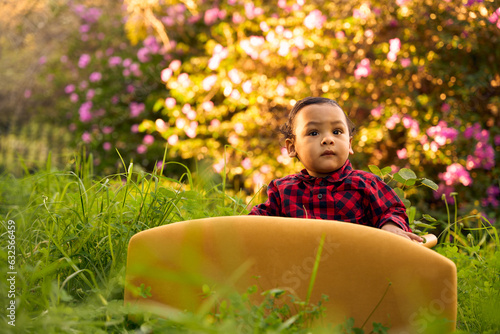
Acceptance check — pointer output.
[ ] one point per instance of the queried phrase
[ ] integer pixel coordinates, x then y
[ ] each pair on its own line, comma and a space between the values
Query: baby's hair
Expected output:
287, 128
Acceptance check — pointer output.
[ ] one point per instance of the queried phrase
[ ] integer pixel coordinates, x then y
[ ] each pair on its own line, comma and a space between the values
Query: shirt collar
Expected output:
335, 176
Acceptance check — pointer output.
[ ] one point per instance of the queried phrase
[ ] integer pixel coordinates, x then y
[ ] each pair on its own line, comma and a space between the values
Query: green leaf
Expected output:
430, 184
398, 178
429, 218
375, 170
406, 202
158, 105
386, 170
407, 174
411, 211
400, 193
419, 223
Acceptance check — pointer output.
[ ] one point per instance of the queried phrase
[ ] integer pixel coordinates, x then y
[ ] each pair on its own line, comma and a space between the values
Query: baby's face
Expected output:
322, 141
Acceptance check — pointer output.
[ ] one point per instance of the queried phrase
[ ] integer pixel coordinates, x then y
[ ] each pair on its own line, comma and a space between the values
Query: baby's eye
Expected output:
313, 133
337, 132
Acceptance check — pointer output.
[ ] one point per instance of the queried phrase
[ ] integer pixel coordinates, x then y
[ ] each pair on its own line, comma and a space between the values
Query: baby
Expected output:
319, 135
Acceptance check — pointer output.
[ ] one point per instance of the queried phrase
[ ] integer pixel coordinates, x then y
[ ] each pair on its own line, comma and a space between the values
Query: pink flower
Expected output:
175, 65
161, 126
84, 111
86, 137
215, 123
363, 69
106, 146
394, 45
247, 87
339, 35
90, 94
246, 163
280, 90
218, 167
143, 55
152, 44
73, 97
69, 89
405, 62
107, 130
166, 74
291, 81
234, 76
184, 80
173, 139
239, 128
114, 61
377, 112
136, 109
314, 20
392, 121
207, 106
95, 76
170, 102
27, 93
84, 60
211, 16
148, 139
456, 173
445, 107
134, 128
209, 82
180, 123
191, 130
238, 18
141, 149
402, 154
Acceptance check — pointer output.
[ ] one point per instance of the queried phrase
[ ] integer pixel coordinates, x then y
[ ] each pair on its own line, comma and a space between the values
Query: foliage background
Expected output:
214, 80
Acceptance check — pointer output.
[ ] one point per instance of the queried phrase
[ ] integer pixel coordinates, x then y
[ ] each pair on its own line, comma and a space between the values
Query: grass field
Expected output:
70, 230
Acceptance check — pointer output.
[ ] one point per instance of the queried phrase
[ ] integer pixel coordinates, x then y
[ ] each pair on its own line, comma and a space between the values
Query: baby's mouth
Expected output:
327, 152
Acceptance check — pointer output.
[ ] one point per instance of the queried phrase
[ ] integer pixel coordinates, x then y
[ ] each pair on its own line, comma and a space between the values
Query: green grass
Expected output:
72, 233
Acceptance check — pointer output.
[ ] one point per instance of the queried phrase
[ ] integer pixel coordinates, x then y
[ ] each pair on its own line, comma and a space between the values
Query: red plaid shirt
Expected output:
345, 195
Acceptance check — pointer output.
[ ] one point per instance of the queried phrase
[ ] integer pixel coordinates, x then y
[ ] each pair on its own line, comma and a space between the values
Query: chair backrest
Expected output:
360, 267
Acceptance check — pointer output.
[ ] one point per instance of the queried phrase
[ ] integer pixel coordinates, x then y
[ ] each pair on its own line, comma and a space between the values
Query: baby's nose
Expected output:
327, 140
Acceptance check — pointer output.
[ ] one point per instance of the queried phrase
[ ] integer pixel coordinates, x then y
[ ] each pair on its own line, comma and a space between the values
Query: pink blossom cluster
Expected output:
363, 69
220, 53
285, 41
176, 16
441, 134
253, 47
493, 196
484, 153
363, 12
314, 20
495, 18
85, 112
151, 47
212, 15
412, 125
89, 15
455, 174
136, 109
394, 48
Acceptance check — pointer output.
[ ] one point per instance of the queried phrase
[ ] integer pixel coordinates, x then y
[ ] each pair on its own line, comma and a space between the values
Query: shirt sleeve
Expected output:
273, 204
386, 206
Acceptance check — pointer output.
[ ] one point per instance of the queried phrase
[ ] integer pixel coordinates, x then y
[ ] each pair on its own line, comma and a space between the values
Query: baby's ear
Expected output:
351, 151
290, 147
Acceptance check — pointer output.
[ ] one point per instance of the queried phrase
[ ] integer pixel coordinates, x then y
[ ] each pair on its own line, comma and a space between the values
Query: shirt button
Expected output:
320, 196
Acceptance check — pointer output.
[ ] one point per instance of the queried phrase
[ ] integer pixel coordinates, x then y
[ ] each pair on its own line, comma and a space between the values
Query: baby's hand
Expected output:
394, 228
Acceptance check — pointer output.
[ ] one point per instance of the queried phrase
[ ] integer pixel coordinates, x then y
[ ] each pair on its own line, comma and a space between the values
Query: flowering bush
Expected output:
417, 77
